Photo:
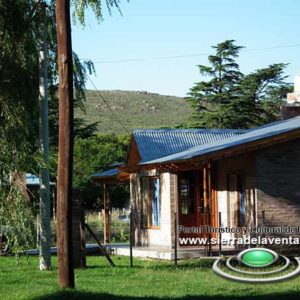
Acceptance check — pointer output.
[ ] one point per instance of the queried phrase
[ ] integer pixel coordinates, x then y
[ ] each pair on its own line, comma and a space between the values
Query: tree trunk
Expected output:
65, 146
44, 226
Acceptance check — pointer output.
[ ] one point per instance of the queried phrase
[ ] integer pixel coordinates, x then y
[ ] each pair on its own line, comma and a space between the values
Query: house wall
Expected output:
164, 235
244, 166
278, 184
271, 181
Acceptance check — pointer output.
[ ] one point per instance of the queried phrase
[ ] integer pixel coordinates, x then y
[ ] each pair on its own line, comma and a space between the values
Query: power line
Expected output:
107, 104
187, 55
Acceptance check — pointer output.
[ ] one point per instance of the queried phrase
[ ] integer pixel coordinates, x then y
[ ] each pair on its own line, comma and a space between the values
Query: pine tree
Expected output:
209, 98
260, 95
231, 99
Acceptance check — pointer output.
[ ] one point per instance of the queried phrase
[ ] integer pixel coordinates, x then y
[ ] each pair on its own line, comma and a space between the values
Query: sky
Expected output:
157, 44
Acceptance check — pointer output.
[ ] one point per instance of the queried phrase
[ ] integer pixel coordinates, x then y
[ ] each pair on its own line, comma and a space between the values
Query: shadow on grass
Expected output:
93, 296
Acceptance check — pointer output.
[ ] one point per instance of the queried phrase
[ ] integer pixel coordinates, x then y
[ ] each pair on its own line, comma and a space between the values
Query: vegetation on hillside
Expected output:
133, 110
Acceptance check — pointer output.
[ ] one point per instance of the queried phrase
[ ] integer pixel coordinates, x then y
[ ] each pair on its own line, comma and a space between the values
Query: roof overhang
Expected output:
111, 176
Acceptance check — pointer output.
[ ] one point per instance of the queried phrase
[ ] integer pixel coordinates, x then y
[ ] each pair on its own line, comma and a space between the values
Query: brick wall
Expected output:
278, 184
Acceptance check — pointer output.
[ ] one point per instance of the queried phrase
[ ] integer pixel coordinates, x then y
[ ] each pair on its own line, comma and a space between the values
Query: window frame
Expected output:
148, 202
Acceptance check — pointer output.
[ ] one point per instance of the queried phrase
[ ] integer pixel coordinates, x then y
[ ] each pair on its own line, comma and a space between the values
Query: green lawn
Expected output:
147, 280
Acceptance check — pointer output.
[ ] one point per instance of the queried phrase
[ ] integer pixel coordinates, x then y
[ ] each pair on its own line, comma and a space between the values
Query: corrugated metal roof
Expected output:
107, 173
256, 134
156, 143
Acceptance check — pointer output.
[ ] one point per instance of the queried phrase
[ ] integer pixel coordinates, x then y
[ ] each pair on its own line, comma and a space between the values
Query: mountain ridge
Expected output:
115, 109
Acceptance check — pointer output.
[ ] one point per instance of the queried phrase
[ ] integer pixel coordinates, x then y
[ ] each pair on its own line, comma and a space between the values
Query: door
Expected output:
190, 204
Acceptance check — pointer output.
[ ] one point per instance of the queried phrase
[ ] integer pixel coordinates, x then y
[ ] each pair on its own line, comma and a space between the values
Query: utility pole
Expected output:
44, 227
65, 146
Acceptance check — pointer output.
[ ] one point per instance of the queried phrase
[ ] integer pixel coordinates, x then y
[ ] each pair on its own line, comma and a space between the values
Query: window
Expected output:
151, 201
187, 194
154, 183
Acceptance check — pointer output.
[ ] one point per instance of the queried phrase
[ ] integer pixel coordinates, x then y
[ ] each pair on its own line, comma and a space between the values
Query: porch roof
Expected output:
255, 135
111, 175
156, 143
107, 173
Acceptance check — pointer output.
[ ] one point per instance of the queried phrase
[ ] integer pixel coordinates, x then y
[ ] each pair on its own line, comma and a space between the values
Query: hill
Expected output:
134, 110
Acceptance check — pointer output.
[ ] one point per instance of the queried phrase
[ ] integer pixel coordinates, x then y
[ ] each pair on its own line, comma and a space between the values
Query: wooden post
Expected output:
205, 203
209, 210
209, 190
79, 253
131, 238
65, 146
82, 235
175, 239
106, 205
205, 187
263, 222
220, 234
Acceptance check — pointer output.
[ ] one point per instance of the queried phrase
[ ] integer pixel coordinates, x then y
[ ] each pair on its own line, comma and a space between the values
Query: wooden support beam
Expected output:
207, 202
106, 209
209, 188
205, 187
100, 246
175, 239
131, 238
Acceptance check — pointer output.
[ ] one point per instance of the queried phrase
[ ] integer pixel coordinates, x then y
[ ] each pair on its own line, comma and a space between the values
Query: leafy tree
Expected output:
231, 99
80, 7
19, 85
94, 155
273, 101
18, 110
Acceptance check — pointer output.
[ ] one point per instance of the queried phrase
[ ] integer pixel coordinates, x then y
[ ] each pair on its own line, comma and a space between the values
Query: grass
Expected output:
134, 109
149, 280
119, 229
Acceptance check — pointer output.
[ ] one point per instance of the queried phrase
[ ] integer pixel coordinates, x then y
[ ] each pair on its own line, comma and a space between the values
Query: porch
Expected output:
165, 253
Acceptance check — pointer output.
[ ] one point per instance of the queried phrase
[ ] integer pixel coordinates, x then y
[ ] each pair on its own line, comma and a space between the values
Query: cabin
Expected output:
227, 178
184, 183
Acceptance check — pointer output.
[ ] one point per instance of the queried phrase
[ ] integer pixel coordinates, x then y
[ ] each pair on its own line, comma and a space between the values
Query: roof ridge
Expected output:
185, 130
272, 124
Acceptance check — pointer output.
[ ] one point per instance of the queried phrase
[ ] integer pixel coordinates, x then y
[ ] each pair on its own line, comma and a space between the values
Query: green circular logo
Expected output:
257, 257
